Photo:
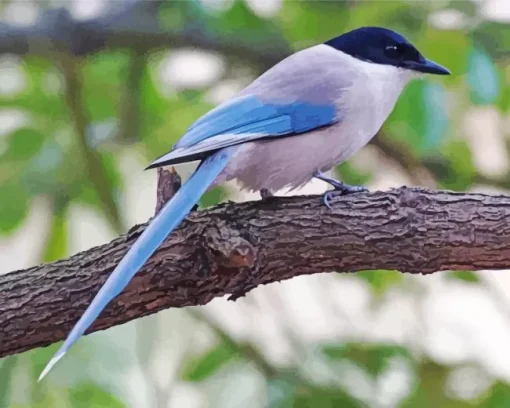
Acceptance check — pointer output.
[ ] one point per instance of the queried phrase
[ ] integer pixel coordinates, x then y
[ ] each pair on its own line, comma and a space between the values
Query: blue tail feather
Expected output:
170, 216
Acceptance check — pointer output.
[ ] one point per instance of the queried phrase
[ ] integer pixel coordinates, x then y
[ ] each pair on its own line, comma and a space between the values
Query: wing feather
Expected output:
242, 120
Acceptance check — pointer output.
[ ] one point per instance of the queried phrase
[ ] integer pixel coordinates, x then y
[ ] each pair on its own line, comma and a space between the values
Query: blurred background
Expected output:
91, 91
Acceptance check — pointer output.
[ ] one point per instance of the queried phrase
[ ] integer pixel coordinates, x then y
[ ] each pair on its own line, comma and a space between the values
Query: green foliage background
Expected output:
77, 116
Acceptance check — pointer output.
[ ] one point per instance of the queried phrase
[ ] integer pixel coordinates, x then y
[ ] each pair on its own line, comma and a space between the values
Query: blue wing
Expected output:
242, 120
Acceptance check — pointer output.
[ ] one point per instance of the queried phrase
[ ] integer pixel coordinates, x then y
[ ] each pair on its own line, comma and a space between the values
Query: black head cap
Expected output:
382, 46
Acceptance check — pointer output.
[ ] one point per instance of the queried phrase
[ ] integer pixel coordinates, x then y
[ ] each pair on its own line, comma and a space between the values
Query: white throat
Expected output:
378, 80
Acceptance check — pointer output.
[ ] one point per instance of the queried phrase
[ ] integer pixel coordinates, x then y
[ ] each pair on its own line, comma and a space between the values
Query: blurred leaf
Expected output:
172, 15
57, 243
429, 388
405, 17
493, 37
103, 133
374, 358
104, 192
350, 175
40, 357
43, 398
467, 7
234, 24
419, 119
498, 396
108, 68
466, 276
24, 143
93, 396
41, 99
14, 206
380, 280
198, 369
49, 158
152, 98
40, 394
482, 78
240, 22
434, 103
126, 127
307, 23
112, 172
456, 171
103, 77
407, 122
504, 100
280, 393
7, 366
325, 398
437, 45
49, 171
213, 197
163, 121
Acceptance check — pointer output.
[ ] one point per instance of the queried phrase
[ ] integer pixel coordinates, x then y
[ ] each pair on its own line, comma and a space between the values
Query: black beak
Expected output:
428, 67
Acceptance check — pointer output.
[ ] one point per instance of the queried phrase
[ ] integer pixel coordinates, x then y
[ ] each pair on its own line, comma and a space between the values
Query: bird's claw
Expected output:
340, 188
344, 189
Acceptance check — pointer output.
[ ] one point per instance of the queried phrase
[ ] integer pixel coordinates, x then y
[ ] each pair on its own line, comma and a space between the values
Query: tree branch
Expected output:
136, 25
92, 160
423, 171
232, 248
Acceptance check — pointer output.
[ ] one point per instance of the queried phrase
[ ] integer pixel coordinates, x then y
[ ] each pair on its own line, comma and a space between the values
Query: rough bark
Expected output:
232, 248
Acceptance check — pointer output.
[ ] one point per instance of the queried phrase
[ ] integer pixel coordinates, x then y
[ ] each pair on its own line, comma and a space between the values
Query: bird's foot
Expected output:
265, 193
344, 190
340, 188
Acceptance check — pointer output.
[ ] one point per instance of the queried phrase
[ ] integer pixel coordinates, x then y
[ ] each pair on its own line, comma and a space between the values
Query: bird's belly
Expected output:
291, 161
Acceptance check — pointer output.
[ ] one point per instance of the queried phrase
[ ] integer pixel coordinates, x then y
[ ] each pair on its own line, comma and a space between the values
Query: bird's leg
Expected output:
265, 193
340, 188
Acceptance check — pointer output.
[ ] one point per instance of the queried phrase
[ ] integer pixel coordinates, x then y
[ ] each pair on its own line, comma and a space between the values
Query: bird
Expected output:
309, 112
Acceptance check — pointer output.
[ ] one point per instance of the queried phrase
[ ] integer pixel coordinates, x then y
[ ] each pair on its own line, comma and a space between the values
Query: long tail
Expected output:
161, 226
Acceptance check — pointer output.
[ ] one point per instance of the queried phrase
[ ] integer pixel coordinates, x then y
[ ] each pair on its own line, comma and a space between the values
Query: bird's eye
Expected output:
393, 51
